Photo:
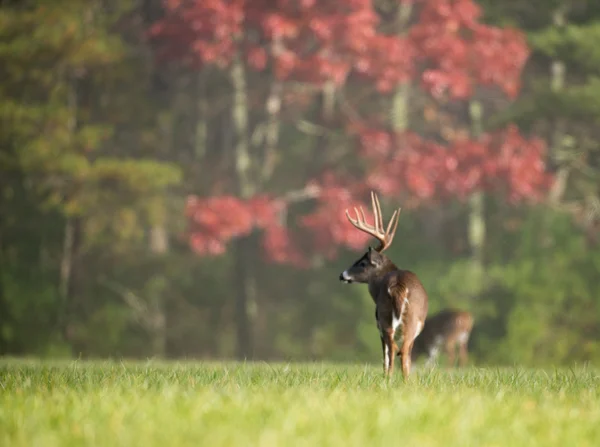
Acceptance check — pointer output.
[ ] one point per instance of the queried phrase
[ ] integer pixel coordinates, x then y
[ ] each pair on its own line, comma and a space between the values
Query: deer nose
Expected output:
345, 277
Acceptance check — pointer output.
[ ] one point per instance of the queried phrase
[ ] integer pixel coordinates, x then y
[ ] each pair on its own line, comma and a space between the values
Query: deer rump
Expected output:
403, 302
444, 331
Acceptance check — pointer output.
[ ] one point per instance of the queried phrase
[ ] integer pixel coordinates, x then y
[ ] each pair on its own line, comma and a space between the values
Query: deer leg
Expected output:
385, 354
390, 350
463, 356
451, 352
432, 356
406, 349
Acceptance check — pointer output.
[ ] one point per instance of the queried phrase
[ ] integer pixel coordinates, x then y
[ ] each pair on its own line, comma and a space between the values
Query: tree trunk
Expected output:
477, 228
245, 297
243, 278
324, 114
273, 108
5, 318
400, 108
558, 72
477, 225
400, 101
159, 338
157, 319
201, 137
72, 230
67, 280
159, 240
243, 161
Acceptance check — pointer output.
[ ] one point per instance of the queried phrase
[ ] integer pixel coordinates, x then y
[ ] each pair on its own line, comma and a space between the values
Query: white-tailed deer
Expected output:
445, 330
400, 298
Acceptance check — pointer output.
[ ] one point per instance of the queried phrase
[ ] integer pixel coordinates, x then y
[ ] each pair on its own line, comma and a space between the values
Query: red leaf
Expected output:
257, 58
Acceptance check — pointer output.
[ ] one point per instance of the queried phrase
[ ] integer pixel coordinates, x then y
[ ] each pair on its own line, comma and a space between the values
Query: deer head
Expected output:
373, 262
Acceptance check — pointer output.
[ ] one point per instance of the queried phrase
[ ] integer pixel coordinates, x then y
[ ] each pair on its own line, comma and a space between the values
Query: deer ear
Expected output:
374, 257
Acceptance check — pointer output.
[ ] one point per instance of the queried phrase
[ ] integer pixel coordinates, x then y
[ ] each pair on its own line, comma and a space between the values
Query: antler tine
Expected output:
354, 222
389, 232
396, 216
357, 215
364, 218
360, 222
350, 218
376, 210
380, 216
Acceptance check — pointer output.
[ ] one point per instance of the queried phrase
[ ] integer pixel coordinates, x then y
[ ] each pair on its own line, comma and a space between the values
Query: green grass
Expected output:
211, 404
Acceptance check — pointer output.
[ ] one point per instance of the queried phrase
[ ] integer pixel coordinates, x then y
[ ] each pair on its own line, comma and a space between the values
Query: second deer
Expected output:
400, 298
445, 330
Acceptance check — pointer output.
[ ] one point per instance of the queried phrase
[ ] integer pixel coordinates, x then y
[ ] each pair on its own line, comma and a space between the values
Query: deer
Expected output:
400, 298
446, 329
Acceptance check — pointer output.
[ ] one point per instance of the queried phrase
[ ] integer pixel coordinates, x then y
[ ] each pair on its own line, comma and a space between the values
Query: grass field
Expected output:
199, 404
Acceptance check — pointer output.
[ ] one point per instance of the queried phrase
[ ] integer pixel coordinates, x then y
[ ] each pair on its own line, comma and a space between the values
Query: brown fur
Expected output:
390, 289
398, 294
402, 286
445, 330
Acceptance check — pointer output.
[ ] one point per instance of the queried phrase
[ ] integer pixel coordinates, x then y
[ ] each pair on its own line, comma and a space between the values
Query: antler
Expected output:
385, 238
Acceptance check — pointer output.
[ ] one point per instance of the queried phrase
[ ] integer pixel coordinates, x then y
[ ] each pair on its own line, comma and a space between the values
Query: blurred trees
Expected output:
174, 174
559, 102
79, 164
437, 51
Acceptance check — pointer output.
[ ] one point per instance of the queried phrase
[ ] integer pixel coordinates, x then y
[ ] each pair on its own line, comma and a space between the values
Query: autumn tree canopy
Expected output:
444, 52
174, 174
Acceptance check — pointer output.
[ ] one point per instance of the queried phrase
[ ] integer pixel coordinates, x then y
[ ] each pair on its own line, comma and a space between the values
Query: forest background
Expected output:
173, 174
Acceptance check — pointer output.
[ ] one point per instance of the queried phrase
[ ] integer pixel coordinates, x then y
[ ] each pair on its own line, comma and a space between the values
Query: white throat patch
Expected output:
345, 276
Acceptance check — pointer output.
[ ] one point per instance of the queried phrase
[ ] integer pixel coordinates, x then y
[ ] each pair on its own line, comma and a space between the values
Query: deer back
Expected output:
444, 324
404, 284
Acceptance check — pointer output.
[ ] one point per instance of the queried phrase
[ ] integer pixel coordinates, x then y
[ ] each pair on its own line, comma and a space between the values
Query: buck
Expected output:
400, 298
445, 330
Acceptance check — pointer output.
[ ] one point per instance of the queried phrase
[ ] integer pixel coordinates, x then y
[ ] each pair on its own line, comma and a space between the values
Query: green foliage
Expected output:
534, 14
555, 317
32, 310
573, 44
547, 283
578, 103
116, 404
94, 132
65, 157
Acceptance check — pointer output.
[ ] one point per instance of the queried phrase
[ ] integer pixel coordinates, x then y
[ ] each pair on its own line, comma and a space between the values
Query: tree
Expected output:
561, 100
63, 157
445, 53
560, 103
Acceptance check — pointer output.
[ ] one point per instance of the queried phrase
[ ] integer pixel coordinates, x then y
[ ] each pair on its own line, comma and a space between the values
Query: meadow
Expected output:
72, 403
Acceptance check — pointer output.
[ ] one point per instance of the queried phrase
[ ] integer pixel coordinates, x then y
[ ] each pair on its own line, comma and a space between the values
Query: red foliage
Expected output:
316, 41
423, 169
447, 51
280, 248
215, 221
328, 223
328, 39
458, 52
521, 164
400, 165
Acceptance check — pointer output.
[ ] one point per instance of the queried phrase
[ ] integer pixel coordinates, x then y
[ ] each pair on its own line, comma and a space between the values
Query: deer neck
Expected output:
376, 282
387, 267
